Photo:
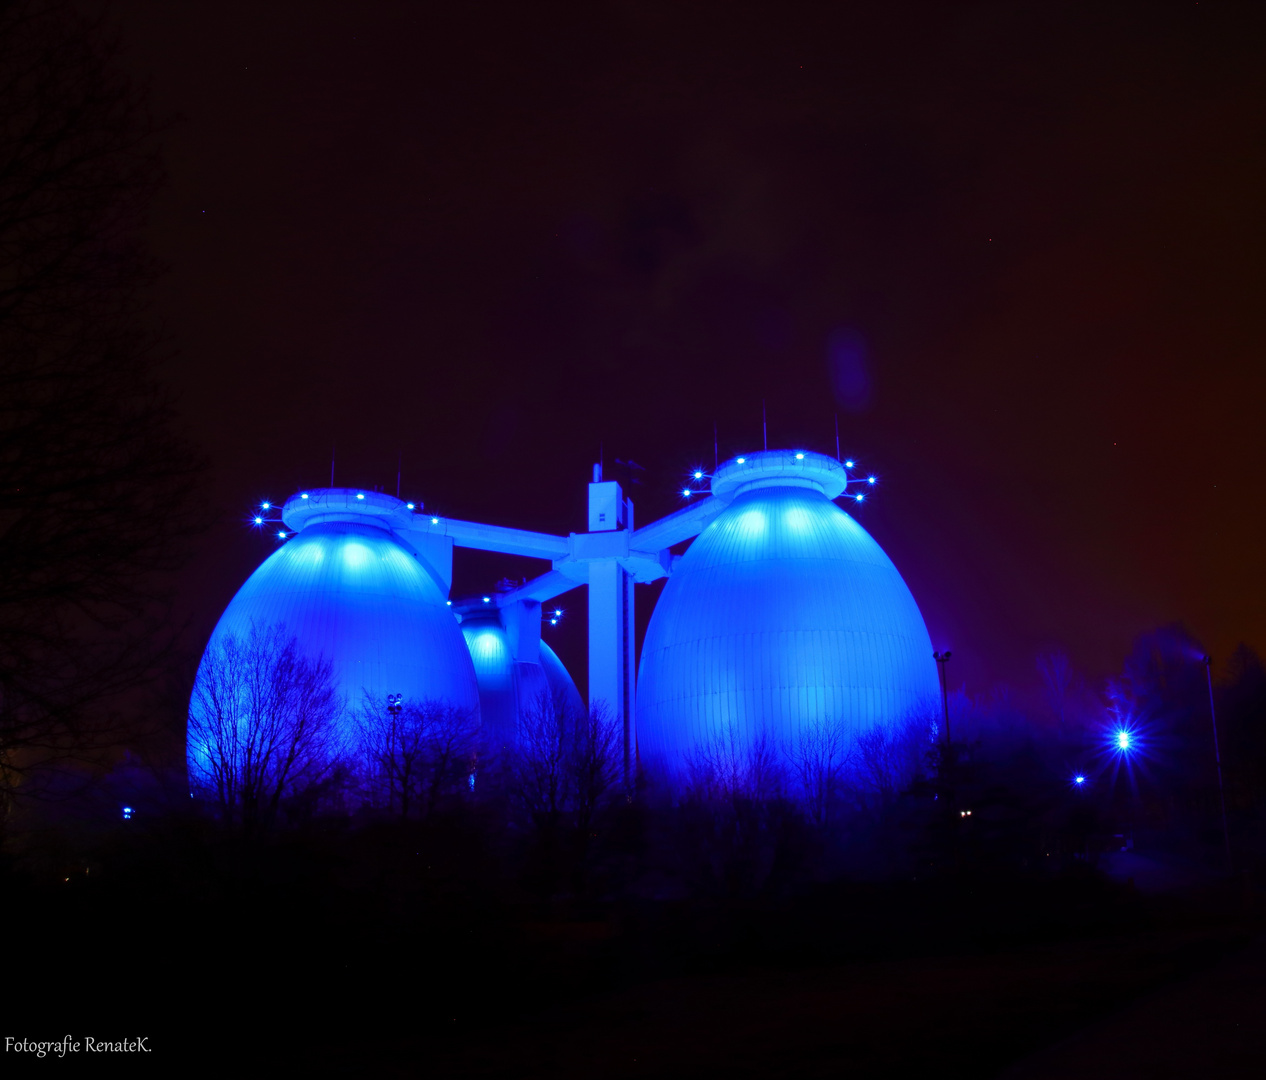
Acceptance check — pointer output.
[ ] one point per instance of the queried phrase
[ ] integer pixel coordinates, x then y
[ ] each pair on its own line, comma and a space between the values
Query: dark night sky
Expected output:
492, 237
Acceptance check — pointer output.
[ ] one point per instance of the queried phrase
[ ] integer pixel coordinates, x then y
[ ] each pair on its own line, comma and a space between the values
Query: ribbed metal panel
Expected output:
783, 614
506, 686
351, 594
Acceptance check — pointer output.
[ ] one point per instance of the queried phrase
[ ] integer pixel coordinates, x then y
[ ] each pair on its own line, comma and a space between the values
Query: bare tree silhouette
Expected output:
95, 489
413, 753
263, 725
820, 758
564, 768
725, 768
538, 772
886, 759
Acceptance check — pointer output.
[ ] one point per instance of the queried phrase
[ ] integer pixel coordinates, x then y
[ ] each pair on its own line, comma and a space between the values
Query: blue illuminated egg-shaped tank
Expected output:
509, 688
783, 615
349, 588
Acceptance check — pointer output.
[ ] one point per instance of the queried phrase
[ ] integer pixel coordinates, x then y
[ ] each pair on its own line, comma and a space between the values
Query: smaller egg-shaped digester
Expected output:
509, 689
349, 593
784, 617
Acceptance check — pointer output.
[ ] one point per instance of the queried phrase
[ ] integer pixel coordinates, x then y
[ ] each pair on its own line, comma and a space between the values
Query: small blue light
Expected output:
686, 492
360, 496
265, 506
487, 599
558, 613
870, 479
800, 457
1079, 779
127, 813
1123, 740
848, 464
740, 460
449, 603
553, 622
304, 495
281, 535
409, 506
259, 521
435, 521
859, 498
698, 475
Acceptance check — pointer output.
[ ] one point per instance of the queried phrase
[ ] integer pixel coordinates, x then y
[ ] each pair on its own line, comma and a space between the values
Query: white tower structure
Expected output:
612, 630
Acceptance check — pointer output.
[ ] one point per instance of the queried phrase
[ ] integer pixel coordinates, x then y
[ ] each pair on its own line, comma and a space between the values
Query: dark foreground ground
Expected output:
945, 1016
341, 962
1209, 1024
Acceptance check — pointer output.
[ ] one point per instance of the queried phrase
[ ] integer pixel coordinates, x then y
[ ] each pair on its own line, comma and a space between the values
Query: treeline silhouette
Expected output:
422, 876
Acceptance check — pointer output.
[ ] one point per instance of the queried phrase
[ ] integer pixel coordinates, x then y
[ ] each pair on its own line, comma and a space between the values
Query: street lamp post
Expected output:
943, 658
1217, 757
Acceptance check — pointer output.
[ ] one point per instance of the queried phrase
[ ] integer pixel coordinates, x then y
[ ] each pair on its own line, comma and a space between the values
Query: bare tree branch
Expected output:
95, 489
263, 725
413, 754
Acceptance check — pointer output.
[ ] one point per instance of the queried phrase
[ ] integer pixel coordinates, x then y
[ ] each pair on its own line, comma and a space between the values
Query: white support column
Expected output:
630, 680
606, 634
522, 622
612, 672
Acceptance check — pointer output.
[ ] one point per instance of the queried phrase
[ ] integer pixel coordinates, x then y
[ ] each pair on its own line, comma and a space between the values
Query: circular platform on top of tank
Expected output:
783, 615
779, 468
345, 504
350, 593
